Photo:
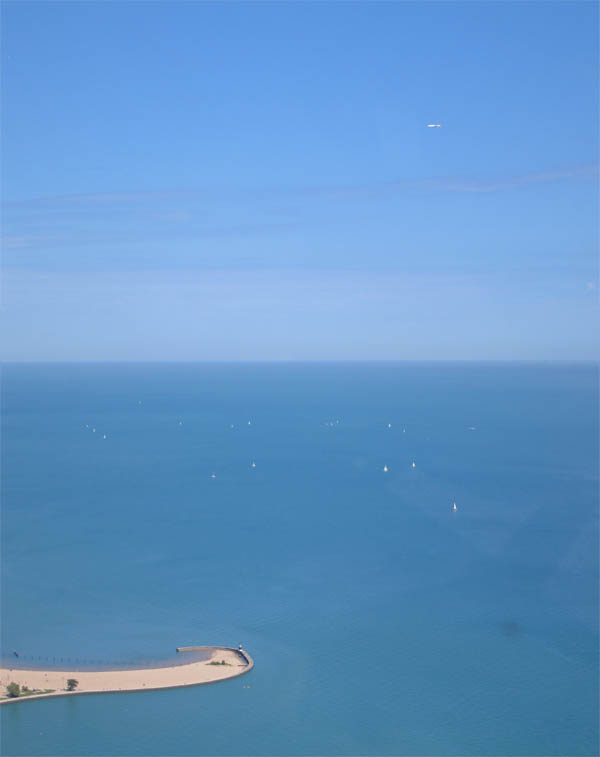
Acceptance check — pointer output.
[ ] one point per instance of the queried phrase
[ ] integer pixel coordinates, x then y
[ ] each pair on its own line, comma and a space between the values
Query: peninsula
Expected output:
221, 663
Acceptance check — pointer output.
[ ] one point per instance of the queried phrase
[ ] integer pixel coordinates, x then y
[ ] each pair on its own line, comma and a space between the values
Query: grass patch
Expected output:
216, 662
33, 692
30, 693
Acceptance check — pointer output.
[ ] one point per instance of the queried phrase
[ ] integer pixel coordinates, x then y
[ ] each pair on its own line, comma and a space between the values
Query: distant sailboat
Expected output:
385, 469
414, 465
454, 506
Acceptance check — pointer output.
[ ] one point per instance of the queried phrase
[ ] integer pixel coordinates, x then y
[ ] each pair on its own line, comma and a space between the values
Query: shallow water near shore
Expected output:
380, 620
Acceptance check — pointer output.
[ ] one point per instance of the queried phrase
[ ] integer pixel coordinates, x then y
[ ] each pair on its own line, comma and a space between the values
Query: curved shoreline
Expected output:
238, 662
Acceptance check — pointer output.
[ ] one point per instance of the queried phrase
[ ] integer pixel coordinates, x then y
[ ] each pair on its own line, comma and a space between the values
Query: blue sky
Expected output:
256, 181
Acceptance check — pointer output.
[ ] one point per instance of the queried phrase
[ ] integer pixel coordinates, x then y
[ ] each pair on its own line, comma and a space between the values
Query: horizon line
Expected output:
349, 361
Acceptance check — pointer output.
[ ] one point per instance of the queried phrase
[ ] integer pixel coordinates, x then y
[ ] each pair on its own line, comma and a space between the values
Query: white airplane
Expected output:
434, 126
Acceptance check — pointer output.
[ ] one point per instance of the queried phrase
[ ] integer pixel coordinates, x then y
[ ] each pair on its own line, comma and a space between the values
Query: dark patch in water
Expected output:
510, 628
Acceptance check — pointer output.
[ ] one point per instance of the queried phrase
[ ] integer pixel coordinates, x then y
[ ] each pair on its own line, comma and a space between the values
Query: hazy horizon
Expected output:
317, 362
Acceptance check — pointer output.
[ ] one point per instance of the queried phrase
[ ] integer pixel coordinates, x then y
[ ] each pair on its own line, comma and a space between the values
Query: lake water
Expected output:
381, 621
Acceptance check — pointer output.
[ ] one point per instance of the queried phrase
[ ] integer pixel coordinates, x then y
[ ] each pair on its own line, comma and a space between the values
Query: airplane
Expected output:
434, 126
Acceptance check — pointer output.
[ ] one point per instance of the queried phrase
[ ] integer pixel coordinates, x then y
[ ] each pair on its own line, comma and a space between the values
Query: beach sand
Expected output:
128, 680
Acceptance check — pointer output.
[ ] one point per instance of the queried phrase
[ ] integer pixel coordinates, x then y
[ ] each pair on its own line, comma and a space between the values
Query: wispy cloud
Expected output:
499, 184
28, 241
40, 241
18, 242
343, 225
128, 200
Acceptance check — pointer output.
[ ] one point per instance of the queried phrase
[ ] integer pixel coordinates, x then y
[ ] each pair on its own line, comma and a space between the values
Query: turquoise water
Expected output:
381, 621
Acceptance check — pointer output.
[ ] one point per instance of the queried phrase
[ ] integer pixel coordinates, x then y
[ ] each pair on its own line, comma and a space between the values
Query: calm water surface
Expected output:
381, 621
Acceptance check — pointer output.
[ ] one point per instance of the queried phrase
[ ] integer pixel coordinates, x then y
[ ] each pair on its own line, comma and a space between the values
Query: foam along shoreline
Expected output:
237, 662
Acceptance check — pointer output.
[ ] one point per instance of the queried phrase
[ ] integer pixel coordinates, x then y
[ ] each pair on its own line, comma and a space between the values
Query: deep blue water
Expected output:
381, 622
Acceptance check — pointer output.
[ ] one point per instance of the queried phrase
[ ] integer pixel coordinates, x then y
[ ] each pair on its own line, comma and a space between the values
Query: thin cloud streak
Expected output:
32, 241
586, 172
348, 242
46, 231
579, 173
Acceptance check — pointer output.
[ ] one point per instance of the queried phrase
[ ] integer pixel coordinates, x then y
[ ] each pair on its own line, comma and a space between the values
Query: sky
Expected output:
256, 181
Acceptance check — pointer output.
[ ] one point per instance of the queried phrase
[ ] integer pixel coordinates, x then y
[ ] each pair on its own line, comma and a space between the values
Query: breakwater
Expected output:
237, 650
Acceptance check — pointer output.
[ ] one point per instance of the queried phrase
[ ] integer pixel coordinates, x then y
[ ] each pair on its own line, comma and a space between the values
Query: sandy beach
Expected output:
236, 663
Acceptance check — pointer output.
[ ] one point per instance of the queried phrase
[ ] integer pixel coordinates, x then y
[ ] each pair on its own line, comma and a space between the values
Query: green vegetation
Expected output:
72, 684
24, 691
216, 662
